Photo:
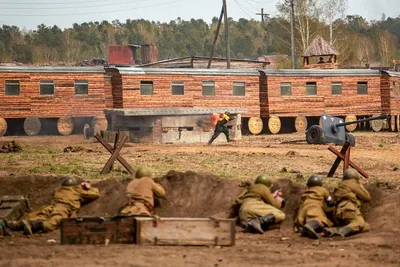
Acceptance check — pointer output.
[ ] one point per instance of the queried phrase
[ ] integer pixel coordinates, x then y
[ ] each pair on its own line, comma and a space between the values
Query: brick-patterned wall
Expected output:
108, 98
162, 95
349, 102
64, 102
116, 81
394, 85
264, 103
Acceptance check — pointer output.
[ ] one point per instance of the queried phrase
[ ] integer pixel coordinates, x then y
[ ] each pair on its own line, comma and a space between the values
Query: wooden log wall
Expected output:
116, 81
108, 97
349, 102
64, 102
394, 95
192, 98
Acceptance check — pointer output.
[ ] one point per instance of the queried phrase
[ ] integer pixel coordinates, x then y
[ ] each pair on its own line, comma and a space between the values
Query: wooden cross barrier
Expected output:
344, 155
114, 154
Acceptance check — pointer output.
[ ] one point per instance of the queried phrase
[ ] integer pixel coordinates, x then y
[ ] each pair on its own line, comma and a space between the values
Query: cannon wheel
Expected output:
351, 139
3, 126
32, 125
376, 125
300, 123
351, 127
315, 135
65, 125
255, 125
274, 124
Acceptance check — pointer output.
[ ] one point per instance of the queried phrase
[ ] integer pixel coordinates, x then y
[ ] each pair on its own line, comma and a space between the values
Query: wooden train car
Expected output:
52, 98
296, 99
390, 88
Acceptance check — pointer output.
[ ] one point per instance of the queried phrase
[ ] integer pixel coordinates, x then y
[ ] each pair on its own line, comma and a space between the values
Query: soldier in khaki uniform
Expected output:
311, 216
259, 207
348, 196
139, 196
66, 202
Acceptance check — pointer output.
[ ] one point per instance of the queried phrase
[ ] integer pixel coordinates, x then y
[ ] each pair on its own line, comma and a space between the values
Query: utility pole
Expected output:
263, 15
228, 50
215, 38
292, 34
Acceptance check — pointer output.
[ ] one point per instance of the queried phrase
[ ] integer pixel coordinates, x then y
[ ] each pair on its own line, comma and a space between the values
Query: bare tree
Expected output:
332, 11
386, 42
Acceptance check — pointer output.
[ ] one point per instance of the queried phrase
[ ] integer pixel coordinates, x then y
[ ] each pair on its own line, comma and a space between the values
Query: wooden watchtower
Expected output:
325, 54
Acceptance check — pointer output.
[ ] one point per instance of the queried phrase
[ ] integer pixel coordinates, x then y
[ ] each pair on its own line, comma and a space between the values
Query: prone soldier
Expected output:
311, 216
348, 196
66, 202
139, 195
259, 207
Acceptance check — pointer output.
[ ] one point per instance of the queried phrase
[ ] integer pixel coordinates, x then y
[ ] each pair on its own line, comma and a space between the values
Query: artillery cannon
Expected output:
333, 131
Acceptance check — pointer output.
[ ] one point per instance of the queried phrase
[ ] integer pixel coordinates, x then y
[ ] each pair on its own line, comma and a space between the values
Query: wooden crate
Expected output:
184, 231
97, 230
13, 207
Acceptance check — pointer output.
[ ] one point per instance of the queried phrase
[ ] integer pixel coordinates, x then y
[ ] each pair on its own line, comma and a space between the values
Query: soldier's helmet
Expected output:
143, 172
263, 179
228, 113
351, 174
314, 180
68, 181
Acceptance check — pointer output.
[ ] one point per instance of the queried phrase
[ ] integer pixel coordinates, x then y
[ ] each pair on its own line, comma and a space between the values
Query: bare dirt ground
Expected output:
208, 189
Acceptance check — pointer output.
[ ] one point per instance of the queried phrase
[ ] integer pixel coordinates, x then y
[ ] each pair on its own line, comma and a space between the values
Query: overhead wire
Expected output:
243, 9
54, 3
89, 13
91, 6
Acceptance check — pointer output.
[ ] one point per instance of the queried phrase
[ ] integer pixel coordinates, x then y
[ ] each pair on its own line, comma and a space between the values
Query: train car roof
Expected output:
320, 72
392, 73
183, 71
48, 69
250, 72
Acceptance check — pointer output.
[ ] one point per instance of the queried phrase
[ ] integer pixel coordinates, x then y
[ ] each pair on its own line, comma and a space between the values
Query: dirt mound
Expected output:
111, 199
193, 194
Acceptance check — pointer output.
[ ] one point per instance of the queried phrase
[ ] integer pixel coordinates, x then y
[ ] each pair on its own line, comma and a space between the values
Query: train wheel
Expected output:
300, 123
3, 126
351, 127
255, 125
32, 125
398, 123
274, 124
376, 125
101, 121
392, 123
65, 125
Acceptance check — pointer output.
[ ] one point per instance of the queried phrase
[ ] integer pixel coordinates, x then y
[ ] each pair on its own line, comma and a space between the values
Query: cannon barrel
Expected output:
334, 127
381, 117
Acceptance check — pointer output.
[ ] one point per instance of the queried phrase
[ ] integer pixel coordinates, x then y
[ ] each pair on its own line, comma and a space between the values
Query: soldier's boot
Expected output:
255, 225
310, 229
331, 231
4, 230
15, 225
31, 227
345, 231
266, 221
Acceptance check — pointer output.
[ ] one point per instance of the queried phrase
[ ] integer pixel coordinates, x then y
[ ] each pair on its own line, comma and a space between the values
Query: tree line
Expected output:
358, 40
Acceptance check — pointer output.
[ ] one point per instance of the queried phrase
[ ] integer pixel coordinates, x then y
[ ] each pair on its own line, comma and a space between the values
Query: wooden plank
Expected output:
97, 230
185, 231
351, 163
335, 165
114, 155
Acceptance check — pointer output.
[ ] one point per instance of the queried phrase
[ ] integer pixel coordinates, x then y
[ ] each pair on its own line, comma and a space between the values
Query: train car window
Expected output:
336, 88
81, 87
286, 89
362, 88
12, 87
208, 88
47, 87
311, 88
177, 88
146, 87
239, 89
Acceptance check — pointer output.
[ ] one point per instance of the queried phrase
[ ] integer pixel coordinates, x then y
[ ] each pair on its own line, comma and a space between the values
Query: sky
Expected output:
27, 14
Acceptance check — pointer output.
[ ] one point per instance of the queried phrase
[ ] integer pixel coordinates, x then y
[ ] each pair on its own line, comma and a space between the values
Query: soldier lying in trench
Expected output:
311, 217
260, 209
347, 215
139, 195
66, 202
